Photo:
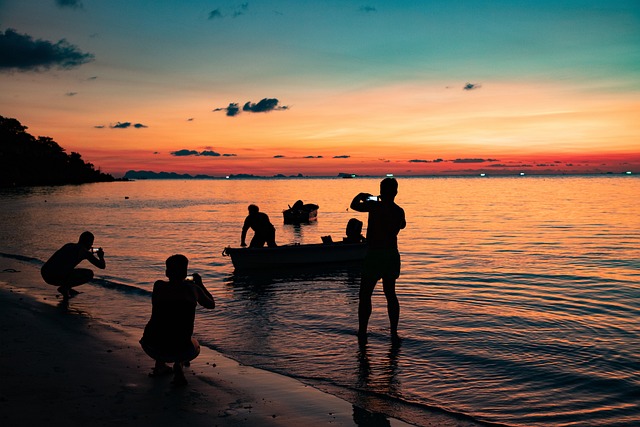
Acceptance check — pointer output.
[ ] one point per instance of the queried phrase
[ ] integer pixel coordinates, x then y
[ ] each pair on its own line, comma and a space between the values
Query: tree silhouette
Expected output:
25, 160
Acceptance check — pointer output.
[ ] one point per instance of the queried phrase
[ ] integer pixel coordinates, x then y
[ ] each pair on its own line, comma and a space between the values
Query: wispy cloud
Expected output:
367, 9
73, 4
204, 153
474, 160
471, 86
341, 157
215, 14
233, 13
263, 106
22, 52
125, 125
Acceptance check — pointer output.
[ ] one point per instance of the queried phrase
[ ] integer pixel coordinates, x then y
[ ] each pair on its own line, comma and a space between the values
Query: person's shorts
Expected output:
381, 264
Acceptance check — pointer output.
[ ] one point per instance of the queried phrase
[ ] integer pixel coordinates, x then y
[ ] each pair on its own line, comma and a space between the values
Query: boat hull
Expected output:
298, 216
295, 255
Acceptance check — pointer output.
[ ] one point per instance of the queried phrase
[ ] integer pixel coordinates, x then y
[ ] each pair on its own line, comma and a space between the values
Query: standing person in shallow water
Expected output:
168, 336
382, 261
60, 270
264, 231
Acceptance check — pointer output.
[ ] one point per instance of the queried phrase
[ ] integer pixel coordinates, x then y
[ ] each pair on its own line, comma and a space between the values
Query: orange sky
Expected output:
369, 91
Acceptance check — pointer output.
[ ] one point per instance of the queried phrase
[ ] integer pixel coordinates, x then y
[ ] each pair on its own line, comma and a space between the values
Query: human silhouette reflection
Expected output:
264, 231
376, 379
168, 336
60, 270
365, 418
382, 261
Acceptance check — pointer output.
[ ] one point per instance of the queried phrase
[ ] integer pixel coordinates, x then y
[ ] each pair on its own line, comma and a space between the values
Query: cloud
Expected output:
73, 4
71, 93
204, 153
474, 160
238, 11
367, 9
184, 152
216, 13
125, 125
210, 153
232, 110
426, 161
312, 157
471, 86
341, 157
241, 10
264, 106
22, 52
99, 126
278, 156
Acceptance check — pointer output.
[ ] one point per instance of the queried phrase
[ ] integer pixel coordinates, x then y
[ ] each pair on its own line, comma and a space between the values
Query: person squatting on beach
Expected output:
382, 260
60, 270
168, 336
264, 231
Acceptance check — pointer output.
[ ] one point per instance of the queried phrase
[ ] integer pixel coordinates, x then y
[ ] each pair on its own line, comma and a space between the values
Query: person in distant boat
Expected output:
264, 231
168, 336
60, 270
382, 260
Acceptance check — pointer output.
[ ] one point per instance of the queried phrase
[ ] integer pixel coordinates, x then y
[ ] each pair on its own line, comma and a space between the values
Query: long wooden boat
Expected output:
295, 255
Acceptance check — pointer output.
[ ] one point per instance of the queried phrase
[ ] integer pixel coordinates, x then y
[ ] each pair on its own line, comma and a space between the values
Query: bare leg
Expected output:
393, 305
178, 375
364, 306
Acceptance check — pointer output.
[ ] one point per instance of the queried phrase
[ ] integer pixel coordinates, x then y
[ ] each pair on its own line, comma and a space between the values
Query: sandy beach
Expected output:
61, 366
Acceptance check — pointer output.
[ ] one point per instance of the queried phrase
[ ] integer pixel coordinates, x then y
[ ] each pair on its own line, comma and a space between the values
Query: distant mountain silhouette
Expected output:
173, 175
161, 175
26, 160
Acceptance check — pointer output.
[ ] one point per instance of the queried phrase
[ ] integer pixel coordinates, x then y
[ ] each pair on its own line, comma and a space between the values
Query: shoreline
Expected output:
60, 365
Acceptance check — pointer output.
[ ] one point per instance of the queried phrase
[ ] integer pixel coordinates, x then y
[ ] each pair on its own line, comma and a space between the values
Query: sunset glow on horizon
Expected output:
291, 88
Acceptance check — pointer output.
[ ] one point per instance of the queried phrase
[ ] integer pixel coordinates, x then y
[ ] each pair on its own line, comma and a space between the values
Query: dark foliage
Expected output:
25, 160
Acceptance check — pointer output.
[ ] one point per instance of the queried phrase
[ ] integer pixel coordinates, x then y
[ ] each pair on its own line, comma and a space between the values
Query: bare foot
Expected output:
161, 370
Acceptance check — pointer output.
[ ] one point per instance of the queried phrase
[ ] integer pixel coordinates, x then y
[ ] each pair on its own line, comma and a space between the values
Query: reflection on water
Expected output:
519, 296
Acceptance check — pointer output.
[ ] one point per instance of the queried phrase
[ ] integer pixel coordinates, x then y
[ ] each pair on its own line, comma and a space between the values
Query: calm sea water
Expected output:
519, 295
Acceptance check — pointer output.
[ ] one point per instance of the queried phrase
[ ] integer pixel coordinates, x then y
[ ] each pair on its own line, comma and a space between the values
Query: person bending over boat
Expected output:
168, 334
382, 260
264, 231
60, 270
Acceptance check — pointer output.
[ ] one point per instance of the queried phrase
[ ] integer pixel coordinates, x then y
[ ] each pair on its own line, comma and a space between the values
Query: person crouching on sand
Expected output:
60, 270
168, 334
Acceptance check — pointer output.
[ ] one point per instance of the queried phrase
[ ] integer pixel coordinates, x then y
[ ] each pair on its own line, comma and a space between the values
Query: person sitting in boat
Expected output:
354, 232
168, 336
264, 231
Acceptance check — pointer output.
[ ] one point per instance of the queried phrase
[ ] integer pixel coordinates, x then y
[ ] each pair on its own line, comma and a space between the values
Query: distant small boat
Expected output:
295, 255
300, 213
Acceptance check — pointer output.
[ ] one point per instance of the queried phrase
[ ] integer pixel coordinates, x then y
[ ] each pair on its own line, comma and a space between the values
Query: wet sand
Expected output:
61, 367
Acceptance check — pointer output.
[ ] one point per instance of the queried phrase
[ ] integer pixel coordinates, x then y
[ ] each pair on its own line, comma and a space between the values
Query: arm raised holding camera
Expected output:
205, 298
363, 201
